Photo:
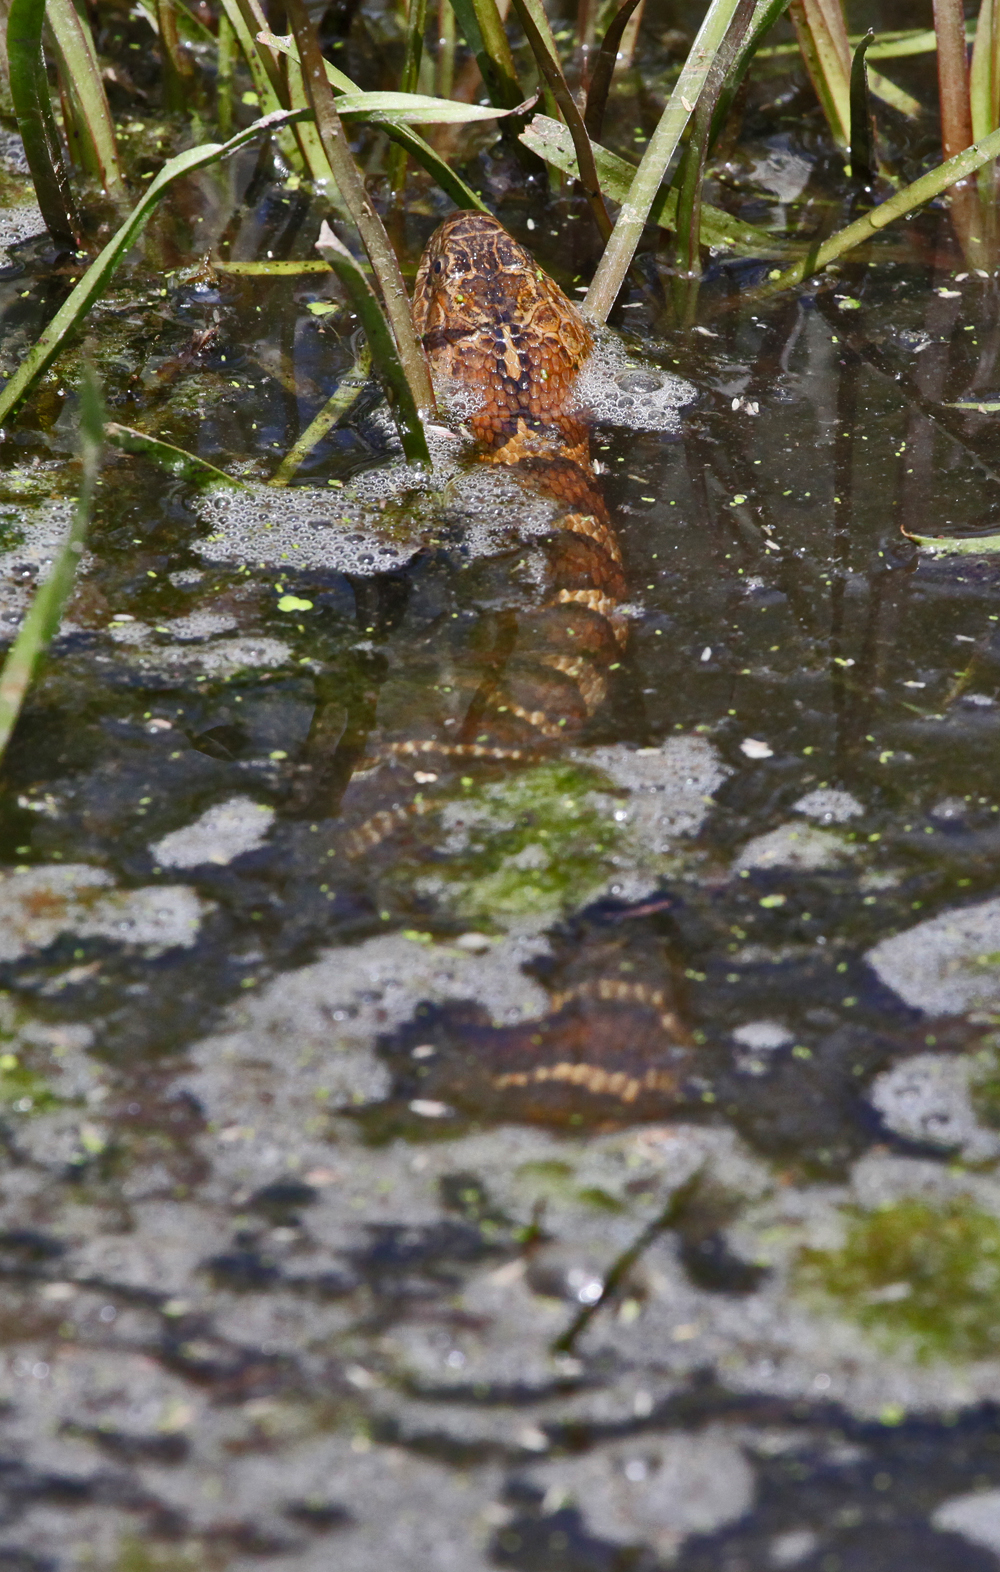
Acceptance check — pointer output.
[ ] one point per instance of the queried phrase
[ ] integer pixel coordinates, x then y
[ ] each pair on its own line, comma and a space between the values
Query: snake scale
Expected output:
502, 336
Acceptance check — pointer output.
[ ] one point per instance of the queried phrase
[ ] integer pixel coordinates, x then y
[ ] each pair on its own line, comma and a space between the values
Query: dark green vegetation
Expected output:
924, 1277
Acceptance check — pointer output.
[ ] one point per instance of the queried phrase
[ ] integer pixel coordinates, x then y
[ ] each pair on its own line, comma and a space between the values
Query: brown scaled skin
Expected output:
492, 320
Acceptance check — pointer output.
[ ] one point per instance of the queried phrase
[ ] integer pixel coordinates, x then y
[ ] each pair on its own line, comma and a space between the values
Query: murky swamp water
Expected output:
276, 1291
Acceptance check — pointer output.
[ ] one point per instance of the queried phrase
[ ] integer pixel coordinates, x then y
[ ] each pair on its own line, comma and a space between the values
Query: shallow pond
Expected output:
289, 1278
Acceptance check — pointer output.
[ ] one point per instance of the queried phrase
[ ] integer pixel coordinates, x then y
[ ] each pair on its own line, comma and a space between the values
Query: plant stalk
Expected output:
369, 225
29, 89
45, 612
953, 77
627, 232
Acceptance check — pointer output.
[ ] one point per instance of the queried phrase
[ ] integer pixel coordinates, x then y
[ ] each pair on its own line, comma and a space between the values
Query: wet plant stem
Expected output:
953, 77
901, 203
29, 90
530, 14
445, 65
627, 233
177, 69
80, 72
692, 171
984, 75
340, 402
604, 70
100, 272
416, 23
369, 225
224, 77
45, 612
486, 36
380, 341
822, 35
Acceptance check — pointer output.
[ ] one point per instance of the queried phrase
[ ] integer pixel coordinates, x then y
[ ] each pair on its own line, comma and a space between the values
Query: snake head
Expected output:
495, 326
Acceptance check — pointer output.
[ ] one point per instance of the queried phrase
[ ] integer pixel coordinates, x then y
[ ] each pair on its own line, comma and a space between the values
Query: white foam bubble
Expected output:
616, 389
17, 224
39, 533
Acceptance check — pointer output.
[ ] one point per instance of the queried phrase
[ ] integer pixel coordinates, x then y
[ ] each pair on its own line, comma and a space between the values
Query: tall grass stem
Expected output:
369, 225
45, 612
29, 90
529, 14
899, 205
953, 77
100, 272
81, 72
627, 232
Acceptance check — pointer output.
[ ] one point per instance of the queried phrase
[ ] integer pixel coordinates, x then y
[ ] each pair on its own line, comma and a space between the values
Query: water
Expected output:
287, 1281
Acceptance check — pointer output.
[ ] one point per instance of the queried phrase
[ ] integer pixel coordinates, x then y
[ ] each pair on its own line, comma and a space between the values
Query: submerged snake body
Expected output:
503, 336
504, 342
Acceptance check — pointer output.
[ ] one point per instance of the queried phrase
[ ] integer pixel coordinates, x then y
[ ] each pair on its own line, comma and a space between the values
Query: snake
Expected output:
505, 343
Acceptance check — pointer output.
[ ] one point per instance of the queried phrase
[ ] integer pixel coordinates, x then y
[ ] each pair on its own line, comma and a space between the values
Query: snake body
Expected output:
505, 342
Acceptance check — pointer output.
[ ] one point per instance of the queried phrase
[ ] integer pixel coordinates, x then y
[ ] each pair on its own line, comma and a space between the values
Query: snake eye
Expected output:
439, 266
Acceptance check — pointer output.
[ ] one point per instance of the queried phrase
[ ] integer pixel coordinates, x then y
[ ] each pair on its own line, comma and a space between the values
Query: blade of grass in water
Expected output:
176, 461
548, 64
370, 227
461, 194
45, 612
604, 70
380, 341
627, 233
899, 205
551, 141
98, 276
347, 393
862, 141
29, 91
416, 24
692, 171
486, 36
822, 35
81, 74
984, 77
953, 77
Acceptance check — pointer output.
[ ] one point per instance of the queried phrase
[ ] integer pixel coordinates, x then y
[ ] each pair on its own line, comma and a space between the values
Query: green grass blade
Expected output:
346, 395
265, 82
486, 36
461, 194
862, 141
627, 232
984, 77
29, 91
81, 74
99, 274
530, 15
822, 35
385, 265
380, 340
176, 461
899, 205
45, 612
604, 70
957, 545
552, 142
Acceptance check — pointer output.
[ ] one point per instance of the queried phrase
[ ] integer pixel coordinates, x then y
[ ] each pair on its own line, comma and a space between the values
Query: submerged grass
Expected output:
45, 612
917, 1276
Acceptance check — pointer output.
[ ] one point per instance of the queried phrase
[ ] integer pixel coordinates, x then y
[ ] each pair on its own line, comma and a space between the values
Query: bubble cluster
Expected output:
302, 527
17, 224
29, 541
616, 390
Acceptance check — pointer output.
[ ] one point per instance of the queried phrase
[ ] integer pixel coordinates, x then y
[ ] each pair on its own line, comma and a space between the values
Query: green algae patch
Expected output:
918, 1276
984, 1085
531, 845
